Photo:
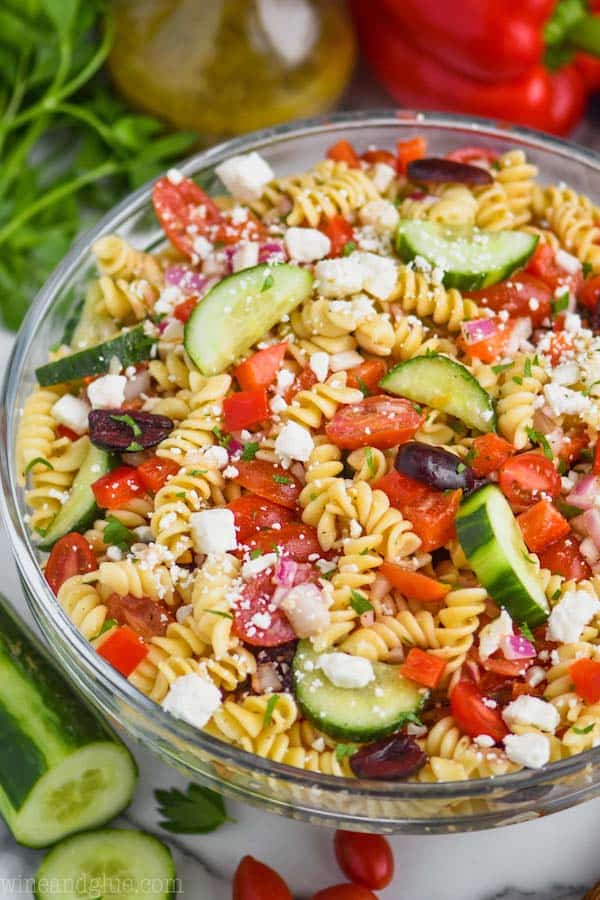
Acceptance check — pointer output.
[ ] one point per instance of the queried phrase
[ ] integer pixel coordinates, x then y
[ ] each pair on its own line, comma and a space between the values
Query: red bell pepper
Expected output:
514, 62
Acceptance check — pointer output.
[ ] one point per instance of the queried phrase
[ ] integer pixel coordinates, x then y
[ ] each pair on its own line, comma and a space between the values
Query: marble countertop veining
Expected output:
554, 858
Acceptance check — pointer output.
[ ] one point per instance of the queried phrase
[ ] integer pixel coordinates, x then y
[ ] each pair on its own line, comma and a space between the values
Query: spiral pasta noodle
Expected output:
418, 294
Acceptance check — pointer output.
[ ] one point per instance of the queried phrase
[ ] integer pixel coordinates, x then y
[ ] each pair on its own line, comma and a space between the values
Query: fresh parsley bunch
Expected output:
69, 147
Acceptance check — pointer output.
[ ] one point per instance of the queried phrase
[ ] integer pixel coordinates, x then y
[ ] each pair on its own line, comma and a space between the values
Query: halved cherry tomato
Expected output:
253, 514
156, 471
253, 880
414, 585
589, 293
564, 557
71, 555
596, 462
525, 477
543, 265
520, 295
422, 667
255, 603
294, 539
494, 345
585, 675
62, 431
245, 408
401, 489
472, 715
269, 481
260, 369
345, 892
510, 668
123, 649
365, 859
117, 488
572, 444
304, 381
542, 524
147, 617
378, 156
433, 518
378, 421
367, 376
184, 211
340, 232
489, 453
407, 151
343, 151
184, 309
468, 154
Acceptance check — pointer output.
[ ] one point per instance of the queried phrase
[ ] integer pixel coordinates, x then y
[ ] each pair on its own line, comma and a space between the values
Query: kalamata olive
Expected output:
396, 756
436, 170
127, 429
435, 467
281, 657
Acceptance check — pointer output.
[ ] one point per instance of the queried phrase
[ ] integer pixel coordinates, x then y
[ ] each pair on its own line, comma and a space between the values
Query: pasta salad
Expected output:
320, 475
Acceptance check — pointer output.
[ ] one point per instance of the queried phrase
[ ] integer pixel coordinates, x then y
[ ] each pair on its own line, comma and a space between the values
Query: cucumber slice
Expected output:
354, 714
61, 768
471, 260
240, 310
114, 862
444, 384
129, 348
80, 509
493, 544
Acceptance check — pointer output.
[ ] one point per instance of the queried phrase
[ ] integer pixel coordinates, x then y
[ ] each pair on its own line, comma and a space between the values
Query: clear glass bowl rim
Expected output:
21, 544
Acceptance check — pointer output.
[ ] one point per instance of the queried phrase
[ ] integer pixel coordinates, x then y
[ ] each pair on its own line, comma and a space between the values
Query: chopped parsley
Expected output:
180, 494
587, 269
271, 704
344, 750
370, 462
527, 369
517, 379
118, 535
359, 603
585, 730
34, 462
255, 554
560, 304
250, 450
133, 447
556, 595
348, 248
362, 387
460, 467
267, 283
470, 457
223, 439
282, 479
219, 612
536, 437
126, 419
108, 624
497, 370
526, 632
195, 472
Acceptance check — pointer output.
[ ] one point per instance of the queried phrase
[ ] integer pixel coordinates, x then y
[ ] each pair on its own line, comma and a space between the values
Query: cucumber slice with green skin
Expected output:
240, 310
80, 509
61, 768
354, 714
113, 862
132, 347
471, 260
444, 384
493, 544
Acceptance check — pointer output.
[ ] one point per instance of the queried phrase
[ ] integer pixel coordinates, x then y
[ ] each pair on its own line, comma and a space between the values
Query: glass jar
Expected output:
223, 67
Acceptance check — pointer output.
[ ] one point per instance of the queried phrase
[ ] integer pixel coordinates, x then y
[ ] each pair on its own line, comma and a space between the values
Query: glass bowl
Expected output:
366, 805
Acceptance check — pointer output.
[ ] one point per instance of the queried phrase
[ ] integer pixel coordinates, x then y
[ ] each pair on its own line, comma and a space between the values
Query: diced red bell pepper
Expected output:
489, 453
62, 431
260, 369
379, 156
123, 649
118, 488
340, 233
585, 675
245, 408
156, 471
408, 151
367, 376
414, 585
423, 667
541, 525
184, 309
343, 151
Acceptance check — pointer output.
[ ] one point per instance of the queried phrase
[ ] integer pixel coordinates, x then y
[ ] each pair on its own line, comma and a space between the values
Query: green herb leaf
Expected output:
587, 269
267, 283
560, 304
348, 248
256, 553
536, 437
271, 704
197, 811
34, 462
362, 387
250, 450
585, 730
527, 369
359, 603
196, 472
517, 379
460, 467
223, 439
108, 624
526, 632
344, 750
219, 612
130, 422
282, 479
370, 462
117, 535
502, 367
133, 447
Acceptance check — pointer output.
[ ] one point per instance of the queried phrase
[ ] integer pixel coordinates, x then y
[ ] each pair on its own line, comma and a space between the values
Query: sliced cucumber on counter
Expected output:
350, 713
240, 310
444, 384
61, 768
469, 260
114, 862
129, 348
80, 509
493, 544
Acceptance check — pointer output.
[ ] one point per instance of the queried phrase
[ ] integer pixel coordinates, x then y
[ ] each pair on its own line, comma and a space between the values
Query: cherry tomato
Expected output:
401, 489
520, 295
472, 715
379, 156
63, 431
408, 151
490, 451
184, 211
260, 369
589, 295
340, 233
423, 667
296, 540
245, 408
345, 892
493, 346
184, 309
253, 880
367, 376
523, 479
255, 601
433, 518
269, 481
123, 649
564, 557
380, 421
147, 617
544, 266
304, 381
572, 444
469, 154
511, 668
118, 487
156, 471
365, 859
71, 555
252, 514
585, 674
343, 151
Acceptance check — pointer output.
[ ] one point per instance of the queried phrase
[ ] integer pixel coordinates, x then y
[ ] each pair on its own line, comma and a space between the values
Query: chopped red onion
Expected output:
478, 330
285, 571
584, 493
515, 646
186, 279
272, 252
591, 523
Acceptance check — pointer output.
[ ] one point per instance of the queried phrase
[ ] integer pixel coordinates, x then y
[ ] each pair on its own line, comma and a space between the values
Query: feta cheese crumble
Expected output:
193, 698
294, 442
526, 710
213, 531
245, 176
107, 392
72, 412
346, 671
529, 750
570, 616
306, 244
